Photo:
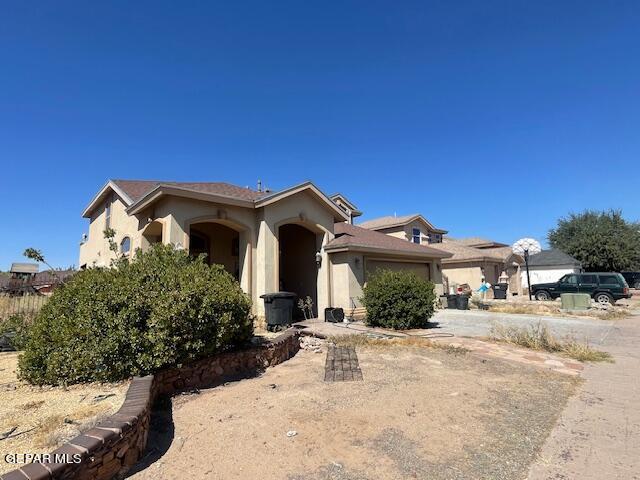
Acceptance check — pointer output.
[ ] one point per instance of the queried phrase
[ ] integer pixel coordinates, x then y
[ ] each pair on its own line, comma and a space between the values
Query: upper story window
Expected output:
125, 246
435, 238
107, 214
415, 235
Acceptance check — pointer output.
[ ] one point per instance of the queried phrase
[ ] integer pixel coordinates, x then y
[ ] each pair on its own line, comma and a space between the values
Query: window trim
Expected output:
127, 237
414, 236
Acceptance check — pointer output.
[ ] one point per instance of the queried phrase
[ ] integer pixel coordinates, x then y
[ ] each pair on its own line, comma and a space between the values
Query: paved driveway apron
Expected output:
598, 434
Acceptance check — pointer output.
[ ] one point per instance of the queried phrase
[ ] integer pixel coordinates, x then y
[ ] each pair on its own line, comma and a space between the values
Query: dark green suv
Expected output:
603, 287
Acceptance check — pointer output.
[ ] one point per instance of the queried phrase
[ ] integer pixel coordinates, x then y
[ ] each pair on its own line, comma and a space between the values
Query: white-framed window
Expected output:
415, 235
125, 246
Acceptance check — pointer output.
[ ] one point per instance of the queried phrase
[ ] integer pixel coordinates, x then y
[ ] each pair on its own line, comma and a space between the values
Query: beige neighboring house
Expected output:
471, 260
297, 239
414, 228
476, 260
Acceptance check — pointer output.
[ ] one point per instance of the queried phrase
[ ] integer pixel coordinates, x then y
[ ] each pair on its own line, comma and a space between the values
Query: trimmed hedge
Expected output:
398, 300
159, 310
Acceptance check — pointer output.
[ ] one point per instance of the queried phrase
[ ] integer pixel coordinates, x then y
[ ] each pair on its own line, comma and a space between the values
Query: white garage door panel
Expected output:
421, 269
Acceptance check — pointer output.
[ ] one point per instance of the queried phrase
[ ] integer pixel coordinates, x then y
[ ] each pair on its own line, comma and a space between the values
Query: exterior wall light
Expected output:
318, 259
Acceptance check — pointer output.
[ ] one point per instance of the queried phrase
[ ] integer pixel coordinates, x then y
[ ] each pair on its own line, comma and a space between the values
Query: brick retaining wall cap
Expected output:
118, 441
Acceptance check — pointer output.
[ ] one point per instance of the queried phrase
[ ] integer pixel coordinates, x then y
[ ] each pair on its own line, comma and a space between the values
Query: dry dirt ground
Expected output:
419, 413
39, 419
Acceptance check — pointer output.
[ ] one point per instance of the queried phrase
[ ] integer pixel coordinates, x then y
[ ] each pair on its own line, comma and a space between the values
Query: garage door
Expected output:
421, 269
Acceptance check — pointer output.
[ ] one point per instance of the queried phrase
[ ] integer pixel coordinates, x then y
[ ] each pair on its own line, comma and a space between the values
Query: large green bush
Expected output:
398, 300
161, 309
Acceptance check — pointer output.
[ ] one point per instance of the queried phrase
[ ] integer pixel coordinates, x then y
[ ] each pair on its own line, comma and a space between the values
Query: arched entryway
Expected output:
297, 268
219, 243
152, 234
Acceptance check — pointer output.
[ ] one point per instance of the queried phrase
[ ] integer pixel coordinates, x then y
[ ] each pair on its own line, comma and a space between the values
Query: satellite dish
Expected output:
526, 246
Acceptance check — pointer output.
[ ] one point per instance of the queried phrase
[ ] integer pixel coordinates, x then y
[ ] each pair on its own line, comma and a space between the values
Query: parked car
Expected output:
632, 278
603, 287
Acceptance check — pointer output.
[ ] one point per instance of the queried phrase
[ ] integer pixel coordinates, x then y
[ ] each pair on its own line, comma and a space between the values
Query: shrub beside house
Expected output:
158, 310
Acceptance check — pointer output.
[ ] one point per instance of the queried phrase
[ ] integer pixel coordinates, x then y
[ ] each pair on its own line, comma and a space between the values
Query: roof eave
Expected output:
86, 213
406, 222
172, 190
339, 214
387, 251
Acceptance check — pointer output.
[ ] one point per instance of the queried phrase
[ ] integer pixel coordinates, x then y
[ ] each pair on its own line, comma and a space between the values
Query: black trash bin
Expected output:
462, 302
451, 301
333, 315
500, 291
278, 309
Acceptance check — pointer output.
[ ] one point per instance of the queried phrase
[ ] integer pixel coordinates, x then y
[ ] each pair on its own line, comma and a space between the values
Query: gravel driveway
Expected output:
418, 413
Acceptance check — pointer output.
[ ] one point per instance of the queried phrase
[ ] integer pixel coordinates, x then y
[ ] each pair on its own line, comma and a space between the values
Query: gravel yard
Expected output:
419, 413
39, 419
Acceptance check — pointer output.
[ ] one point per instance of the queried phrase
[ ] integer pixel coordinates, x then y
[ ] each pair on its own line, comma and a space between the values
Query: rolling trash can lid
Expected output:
270, 296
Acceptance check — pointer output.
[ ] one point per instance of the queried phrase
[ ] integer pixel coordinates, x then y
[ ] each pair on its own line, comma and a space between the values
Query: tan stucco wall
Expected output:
95, 251
471, 273
347, 280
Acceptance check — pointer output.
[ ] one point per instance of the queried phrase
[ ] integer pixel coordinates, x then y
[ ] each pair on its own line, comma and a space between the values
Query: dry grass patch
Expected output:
38, 419
552, 309
539, 337
382, 342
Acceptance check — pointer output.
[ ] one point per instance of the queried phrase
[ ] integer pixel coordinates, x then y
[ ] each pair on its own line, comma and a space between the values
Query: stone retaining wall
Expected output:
117, 443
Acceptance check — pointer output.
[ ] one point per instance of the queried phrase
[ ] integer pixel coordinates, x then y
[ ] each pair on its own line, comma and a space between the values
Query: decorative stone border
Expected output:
118, 442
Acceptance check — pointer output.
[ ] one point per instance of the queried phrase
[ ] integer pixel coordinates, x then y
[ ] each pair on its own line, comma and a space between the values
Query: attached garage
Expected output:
356, 253
422, 269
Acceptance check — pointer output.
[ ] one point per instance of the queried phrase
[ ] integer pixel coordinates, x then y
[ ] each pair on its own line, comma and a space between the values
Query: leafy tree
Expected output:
37, 256
601, 241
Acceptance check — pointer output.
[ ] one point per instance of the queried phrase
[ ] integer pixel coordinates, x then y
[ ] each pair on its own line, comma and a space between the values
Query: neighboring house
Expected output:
46, 282
471, 260
23, 271
25, 278
414, 228
549, 266
473, 265
297, 239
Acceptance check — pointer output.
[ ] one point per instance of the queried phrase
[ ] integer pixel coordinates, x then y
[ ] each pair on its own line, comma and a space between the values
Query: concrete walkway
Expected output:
598, 434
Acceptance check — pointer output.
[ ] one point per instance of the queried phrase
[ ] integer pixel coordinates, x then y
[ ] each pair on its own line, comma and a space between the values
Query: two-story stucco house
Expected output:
471, 260
297, 239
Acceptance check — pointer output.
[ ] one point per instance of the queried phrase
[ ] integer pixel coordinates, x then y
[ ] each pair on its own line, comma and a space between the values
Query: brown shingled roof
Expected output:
394, 221
462, 252
137, 189
354, 237
388, 221
478, 242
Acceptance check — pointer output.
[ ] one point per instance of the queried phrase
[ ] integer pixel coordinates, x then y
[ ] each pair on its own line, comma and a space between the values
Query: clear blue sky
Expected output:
491, 118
